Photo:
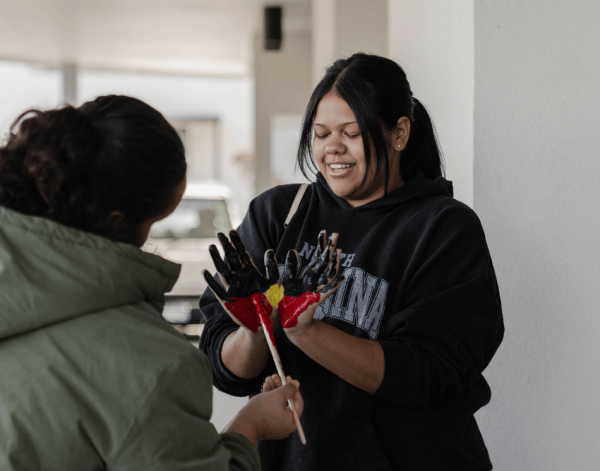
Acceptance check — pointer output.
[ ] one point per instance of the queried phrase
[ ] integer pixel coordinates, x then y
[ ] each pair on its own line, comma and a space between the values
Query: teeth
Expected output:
340, 166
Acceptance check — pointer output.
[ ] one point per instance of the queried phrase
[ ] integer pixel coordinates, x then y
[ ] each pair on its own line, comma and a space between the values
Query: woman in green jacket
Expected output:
92, 377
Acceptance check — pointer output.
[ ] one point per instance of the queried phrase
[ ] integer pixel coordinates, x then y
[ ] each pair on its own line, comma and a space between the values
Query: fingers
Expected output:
289, 390
219, 264
326, 277
319, 250
291, 266
331, 287
323, 260
334, 268
271, 267
240, 247
297, 398
215, 287
272, 382
268, 384
231, 256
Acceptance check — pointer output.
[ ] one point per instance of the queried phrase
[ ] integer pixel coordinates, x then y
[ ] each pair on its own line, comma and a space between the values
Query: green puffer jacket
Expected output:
91, 376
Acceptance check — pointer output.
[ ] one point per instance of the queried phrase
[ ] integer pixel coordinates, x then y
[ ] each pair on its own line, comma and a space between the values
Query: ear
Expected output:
402, 133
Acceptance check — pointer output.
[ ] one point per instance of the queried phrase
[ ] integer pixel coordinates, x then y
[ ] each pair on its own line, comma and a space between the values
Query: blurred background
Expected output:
513, 88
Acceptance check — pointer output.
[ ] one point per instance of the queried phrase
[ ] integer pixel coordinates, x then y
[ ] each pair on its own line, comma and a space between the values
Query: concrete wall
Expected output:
342, 27
283, 84
361, 27
536, 167
433, 42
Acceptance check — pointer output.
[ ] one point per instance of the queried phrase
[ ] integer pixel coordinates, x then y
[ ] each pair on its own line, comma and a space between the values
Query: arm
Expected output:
171, 430
245, 354
218, 329
245, 350
239, 361
360, 362
444, 336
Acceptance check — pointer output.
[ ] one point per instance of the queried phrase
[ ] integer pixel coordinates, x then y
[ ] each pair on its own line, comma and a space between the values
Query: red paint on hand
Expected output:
264, 309
243, 310
252, 312
290, 308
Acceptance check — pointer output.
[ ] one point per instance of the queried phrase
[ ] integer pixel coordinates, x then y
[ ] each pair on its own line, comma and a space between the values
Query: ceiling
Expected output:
184, 37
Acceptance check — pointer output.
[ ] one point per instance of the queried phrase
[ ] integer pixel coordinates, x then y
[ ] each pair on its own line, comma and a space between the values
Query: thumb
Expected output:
289, 390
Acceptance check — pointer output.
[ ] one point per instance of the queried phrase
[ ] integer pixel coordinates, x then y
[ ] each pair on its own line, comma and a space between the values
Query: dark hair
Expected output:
76, 166
377, 91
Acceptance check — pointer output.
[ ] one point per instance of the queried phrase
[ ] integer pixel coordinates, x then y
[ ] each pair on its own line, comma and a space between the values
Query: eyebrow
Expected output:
341, 125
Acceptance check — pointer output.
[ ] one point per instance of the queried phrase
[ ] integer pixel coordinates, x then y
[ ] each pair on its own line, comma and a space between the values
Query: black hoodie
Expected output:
420, 281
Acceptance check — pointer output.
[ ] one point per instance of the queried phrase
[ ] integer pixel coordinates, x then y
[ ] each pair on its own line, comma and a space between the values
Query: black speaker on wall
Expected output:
273, 31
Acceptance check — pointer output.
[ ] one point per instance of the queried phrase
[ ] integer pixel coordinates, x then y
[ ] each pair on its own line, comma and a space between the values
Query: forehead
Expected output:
333, 111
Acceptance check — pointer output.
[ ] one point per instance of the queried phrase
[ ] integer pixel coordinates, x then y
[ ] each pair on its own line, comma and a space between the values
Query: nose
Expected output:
334, 146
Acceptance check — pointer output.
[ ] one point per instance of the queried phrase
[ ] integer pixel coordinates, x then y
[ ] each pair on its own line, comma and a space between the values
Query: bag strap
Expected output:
295, 204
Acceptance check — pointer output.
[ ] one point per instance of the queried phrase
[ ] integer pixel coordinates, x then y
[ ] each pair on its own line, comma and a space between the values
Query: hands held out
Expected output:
253, 300
244, 296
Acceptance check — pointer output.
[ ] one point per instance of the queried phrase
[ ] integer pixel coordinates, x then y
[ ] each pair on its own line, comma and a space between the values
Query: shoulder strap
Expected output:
295, 204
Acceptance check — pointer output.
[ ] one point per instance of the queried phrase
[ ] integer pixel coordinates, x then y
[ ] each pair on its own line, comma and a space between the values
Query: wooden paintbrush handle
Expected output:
283, 382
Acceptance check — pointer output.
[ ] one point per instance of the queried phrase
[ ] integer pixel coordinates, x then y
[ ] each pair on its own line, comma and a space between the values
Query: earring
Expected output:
399, 145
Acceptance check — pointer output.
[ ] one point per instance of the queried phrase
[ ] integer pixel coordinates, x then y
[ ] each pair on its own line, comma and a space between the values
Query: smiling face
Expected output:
339, 153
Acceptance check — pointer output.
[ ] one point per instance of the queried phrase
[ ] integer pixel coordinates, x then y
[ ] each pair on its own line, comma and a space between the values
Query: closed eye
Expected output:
321, 136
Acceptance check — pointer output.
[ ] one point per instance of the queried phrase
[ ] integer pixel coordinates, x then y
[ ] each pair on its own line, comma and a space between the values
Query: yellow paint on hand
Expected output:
274, 294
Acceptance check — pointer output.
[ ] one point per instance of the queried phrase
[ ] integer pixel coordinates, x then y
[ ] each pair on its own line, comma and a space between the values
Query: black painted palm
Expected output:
315, 284
241, 280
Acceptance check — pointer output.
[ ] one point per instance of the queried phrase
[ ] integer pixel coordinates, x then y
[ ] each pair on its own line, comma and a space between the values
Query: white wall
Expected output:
361, 27
23, 87
433, 42
536, 167
342, 27
282, 85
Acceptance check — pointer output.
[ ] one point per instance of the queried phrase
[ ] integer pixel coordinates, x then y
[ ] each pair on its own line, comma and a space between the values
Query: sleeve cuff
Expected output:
235, 385
400, 381
242, 451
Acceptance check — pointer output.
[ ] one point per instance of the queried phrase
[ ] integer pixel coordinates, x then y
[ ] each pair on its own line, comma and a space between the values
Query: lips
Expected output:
340, 166
339, 169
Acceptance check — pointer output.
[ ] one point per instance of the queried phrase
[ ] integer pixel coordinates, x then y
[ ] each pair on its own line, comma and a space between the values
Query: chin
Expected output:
342, 190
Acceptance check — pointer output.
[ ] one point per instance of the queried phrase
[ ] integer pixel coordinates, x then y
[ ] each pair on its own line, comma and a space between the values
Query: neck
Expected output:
380, 192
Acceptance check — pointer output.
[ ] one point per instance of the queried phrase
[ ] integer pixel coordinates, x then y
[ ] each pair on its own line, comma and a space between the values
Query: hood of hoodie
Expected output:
417, 188
50, 273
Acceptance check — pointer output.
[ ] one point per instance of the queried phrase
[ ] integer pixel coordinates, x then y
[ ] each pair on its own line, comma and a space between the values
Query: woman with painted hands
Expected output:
391, 361
92, 377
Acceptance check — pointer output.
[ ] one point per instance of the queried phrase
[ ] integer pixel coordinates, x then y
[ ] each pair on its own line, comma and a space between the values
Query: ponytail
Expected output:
422, 151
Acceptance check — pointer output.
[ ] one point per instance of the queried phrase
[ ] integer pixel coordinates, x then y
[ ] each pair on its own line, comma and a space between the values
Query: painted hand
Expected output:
302, 296
243, 292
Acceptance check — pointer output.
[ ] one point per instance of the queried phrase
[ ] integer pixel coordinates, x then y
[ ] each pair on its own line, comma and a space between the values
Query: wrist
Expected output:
301, 331
243, 424
254, 338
